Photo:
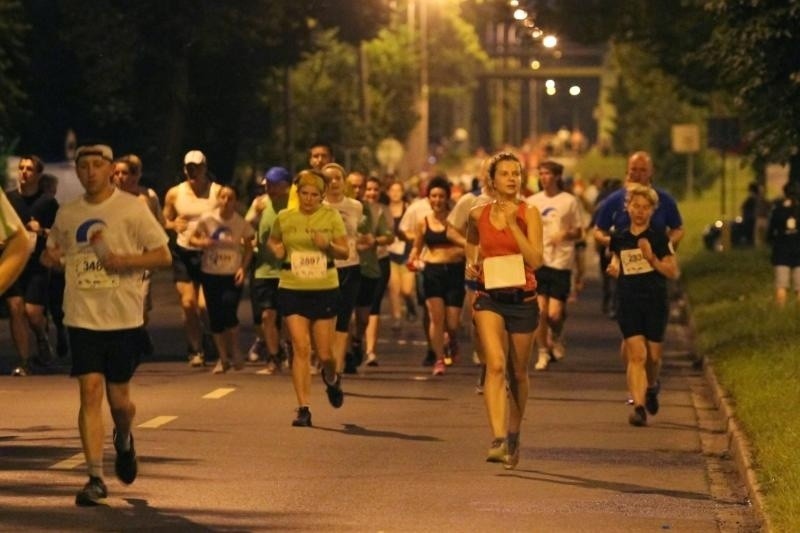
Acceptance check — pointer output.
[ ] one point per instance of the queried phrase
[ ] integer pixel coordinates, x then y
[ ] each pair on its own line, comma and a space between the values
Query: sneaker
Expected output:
558, 349
543, 360
303, 418
497, 451
273, 365
93, 493
651, 398
197, 359
19, 372
438, 368
638, 417
125, 466
372, 359
430, 358
481, 379
629, 400
511, 458
334, 391
257, 350
219, 368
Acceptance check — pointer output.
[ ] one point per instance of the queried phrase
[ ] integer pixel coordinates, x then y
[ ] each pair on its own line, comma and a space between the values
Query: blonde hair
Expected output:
311, 177
648, 193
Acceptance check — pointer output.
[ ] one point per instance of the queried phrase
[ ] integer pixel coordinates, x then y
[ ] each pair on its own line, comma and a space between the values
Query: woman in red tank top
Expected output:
504, 248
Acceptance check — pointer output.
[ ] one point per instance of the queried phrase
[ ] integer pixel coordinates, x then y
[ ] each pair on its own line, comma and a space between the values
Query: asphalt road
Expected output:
405, 453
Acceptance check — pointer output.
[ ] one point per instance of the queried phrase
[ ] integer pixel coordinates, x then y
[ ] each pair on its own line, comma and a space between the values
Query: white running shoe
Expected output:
196, 359
544, 359
257, 350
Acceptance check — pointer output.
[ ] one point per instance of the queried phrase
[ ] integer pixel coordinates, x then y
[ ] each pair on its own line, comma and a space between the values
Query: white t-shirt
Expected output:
189, 205
561, 212
9, 220
93, 298
419, 209
351, 211
224, 257
459, 216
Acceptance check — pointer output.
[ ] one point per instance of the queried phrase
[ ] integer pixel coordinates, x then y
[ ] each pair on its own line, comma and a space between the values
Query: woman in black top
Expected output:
642, 261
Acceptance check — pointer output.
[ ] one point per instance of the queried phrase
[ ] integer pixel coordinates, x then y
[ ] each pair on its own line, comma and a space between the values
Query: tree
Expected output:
12, 57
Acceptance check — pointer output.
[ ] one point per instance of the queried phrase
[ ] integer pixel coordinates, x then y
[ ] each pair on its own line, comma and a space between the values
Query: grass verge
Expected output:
755, 348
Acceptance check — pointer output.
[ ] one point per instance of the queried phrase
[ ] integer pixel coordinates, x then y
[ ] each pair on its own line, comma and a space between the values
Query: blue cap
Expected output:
277, 175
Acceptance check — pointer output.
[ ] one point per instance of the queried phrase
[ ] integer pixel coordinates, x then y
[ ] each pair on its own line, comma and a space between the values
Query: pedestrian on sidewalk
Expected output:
307, 239
783, 234
504, 249
105, 240
643, 259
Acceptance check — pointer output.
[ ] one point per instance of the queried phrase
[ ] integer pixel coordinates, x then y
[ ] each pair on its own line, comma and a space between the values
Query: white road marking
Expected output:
157, 421
218, 393
69, 464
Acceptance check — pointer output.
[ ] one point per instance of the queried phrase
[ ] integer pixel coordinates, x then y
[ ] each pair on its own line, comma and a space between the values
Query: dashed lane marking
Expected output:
218, 393
157, 422
69, 464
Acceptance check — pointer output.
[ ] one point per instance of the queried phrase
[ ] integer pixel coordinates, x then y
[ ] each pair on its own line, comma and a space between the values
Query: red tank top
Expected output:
494, 242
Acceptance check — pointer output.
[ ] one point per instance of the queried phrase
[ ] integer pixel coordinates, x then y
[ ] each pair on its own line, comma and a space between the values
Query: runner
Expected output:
105, 240
504, 249
13, 243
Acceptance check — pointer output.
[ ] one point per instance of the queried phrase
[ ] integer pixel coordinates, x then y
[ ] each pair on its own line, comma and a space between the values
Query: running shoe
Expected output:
197, 359
93, 493
19, 372
126, 466
372, 359
257, 350
638, 417
220, 367
430, 358
651, 398
273, 365
543, 360
497, 451
334, 391
303, 418
438, 368
511, 458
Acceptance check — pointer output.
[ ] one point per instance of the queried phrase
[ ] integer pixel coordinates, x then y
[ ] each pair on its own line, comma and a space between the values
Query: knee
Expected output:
91, 395
495, 366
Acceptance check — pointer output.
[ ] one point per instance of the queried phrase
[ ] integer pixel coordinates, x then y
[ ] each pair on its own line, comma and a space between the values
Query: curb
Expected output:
739, 447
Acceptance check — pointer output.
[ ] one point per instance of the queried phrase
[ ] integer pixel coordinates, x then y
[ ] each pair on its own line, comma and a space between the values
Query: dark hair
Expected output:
37, 162
557, 169
323, 144
497, 158
438, 182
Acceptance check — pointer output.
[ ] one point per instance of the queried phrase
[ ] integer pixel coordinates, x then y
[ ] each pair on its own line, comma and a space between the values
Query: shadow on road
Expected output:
354, 429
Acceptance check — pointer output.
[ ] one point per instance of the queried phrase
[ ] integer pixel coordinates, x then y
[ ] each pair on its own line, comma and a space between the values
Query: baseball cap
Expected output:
277, 175
194, 157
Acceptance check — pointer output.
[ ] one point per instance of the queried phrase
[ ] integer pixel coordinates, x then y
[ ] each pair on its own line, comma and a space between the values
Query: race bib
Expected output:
504, 271
221, 261
309, 265
633, 262
90, 274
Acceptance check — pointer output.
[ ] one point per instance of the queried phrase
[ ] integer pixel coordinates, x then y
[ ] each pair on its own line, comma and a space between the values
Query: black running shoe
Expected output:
651, 398
93, 493
303, 418
334, 391
126, 466
430, 358
638, 417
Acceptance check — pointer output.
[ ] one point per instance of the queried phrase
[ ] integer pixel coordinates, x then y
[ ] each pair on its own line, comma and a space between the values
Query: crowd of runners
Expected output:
319, 251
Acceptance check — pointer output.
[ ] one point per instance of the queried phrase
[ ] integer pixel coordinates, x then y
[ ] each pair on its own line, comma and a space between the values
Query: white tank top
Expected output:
192, 207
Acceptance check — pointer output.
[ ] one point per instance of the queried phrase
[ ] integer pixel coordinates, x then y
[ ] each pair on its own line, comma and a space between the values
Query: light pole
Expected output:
417, 143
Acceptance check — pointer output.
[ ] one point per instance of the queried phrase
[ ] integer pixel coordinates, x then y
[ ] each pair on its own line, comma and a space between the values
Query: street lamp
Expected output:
575, 90
520, 14
550, 41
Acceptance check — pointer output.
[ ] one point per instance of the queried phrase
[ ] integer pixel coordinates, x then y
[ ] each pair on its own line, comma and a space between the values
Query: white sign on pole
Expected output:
685, 138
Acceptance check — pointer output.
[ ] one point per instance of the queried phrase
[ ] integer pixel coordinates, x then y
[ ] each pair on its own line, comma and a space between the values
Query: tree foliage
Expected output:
12, 58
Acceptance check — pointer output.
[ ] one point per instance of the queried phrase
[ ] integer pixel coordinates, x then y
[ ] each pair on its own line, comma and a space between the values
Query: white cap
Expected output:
194, 157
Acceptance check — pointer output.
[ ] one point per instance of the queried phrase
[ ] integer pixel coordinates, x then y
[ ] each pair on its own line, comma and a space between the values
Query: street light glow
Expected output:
575, 90
550, 90
536, 33
550, 41
513, 3
550, 84
535, 64
520, 14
